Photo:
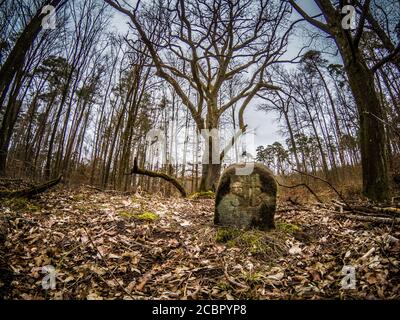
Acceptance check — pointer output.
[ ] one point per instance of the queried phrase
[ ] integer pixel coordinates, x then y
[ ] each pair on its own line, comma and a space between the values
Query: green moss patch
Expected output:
253, 278
20, 204
127, 214
268, 244
80, 197
253, 241
148, 216
144, 216
225, 235
225, 286
288, 227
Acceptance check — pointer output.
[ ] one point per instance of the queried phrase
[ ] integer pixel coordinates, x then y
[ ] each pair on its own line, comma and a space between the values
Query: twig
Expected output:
186, 285
388, 210
145, 279
93, 188
359, 214
301, 185
367, 255
328, 183
394, 199
231, 280
107, 190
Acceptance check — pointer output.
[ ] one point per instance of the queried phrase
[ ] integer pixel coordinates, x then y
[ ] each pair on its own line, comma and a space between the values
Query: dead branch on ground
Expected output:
30, 192
154, 174
300, 185
328, 183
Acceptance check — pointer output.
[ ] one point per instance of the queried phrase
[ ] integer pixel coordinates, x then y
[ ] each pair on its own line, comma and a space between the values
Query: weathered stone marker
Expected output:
246, 201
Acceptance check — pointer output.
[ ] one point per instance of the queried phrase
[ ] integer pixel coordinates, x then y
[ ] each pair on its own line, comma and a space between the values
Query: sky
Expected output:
265, 125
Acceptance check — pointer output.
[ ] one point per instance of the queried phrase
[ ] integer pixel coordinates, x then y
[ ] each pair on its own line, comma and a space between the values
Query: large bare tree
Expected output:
204, 44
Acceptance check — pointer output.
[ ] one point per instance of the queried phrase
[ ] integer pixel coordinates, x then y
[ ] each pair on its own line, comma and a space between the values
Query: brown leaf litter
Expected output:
116, 246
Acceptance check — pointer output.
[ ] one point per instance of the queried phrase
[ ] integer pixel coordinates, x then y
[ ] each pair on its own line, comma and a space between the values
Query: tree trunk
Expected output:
211, 160
372, 132
337, 130
16, 58
361, 79
292, 140
6, 133
8, 121
209, 176
47, 169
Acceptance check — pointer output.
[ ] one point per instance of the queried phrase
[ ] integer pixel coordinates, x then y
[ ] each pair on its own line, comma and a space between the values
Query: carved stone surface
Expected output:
246, 201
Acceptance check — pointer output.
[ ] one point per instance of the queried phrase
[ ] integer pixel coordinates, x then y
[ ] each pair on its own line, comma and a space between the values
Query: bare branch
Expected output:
309, 19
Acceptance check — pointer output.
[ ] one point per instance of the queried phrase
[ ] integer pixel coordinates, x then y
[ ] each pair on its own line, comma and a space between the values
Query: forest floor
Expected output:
118, 246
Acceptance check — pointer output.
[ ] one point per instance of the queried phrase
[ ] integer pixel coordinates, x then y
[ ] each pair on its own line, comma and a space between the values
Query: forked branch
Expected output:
154, 174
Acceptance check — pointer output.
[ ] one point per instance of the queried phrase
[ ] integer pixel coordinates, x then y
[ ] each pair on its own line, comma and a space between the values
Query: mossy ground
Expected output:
288, 227
226, 234
20, 204
144, 216
254, 241
148, 216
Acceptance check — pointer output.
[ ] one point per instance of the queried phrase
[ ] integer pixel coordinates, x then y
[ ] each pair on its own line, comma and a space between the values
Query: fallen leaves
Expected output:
295, 250
99, 253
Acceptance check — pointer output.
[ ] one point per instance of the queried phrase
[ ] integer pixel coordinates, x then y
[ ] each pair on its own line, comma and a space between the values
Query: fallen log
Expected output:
372, 219
389, 210
364, 213
154, 174
30, 192
10, 179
